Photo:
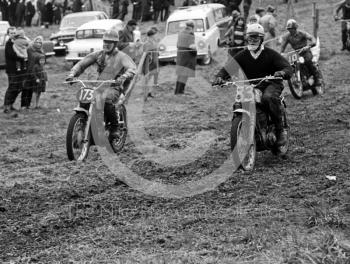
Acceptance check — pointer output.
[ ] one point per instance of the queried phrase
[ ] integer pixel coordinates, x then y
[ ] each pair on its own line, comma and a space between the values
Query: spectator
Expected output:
48, 13
136, 10
20, 13
269, 22
126, 39
35, 51
40, 7
29, 12
12, 12
20, 46
157, 9
165, 10
4, 6
115, 9
253, 19
77, 6
15, 77
236, 36
260, 12
151, 65
39, 78
246, 8
186, 57
188, 3
57, 11
124, 12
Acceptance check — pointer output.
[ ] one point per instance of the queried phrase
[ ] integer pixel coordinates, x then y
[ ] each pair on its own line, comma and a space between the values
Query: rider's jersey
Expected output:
109, 66
298, 41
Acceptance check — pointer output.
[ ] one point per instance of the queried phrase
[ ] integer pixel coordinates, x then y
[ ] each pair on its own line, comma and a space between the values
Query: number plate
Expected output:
85, 95
293, 58
245, 94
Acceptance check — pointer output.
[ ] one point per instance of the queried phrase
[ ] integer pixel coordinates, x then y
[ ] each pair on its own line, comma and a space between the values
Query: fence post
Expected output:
314, 19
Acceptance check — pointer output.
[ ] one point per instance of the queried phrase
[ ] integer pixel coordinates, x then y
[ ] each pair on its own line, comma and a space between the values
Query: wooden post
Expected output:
314, 18
91, 5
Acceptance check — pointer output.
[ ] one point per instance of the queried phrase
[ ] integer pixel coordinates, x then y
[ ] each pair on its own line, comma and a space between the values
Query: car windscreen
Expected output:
75, 22
175, 27
90, 33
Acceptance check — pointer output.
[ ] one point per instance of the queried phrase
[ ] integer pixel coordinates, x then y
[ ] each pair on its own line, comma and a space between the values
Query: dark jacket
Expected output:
125, 37
30, 9
11, 59
186, 57
77, 6
33, 55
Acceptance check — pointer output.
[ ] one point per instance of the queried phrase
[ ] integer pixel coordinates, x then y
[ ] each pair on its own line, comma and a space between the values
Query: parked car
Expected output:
208, 19
69, 25
88, 38
47, 46
4, 25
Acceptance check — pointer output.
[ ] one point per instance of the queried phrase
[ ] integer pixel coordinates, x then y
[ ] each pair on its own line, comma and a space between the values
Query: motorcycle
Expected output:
302, 80
79, 136
252, 133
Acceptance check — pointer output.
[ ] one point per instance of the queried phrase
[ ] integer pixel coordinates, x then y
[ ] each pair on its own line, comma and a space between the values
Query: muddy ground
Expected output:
285, 211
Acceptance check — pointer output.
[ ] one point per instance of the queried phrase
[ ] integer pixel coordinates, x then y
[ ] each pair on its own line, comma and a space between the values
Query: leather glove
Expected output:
218, 81
120, 81
336, 18
280, 74
70, 78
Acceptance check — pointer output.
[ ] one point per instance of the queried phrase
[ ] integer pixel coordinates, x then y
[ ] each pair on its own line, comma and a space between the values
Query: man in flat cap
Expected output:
186, 56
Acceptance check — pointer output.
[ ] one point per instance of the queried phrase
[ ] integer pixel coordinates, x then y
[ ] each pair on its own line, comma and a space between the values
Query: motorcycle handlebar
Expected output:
267, 78
89, 81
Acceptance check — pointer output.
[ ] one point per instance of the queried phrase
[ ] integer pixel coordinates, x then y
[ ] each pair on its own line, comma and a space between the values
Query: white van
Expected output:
208, 19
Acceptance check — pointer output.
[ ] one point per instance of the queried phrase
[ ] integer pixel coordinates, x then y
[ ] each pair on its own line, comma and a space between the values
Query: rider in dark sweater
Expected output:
257, 61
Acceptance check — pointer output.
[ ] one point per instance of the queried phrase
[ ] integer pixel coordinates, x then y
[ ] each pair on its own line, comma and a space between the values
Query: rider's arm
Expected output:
310, 38
337, 10
87, 61
285, 41
129, 66
281, 64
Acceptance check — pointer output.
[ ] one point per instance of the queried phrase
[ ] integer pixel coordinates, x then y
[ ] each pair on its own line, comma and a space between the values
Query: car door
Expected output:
2, 51
212, 34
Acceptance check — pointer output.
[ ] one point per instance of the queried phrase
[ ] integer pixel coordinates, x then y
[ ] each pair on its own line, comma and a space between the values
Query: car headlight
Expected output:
201, 44
54, 41
61, 43
162, 47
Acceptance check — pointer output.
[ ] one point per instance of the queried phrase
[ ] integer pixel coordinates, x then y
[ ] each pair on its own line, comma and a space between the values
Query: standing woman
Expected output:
151, 65
186, 57
35, 51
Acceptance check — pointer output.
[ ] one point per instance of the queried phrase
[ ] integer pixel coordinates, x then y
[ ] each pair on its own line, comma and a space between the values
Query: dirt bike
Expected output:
79, 136
302, 80
254, 133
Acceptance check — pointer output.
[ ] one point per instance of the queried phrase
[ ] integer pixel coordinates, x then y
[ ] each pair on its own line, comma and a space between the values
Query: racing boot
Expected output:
112, 120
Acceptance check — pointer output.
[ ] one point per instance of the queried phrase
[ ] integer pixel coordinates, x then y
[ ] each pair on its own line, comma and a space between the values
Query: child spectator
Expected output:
40, 79
20, 45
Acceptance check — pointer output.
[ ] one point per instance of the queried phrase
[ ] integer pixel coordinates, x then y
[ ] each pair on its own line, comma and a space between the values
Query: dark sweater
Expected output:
11, 58
266, 64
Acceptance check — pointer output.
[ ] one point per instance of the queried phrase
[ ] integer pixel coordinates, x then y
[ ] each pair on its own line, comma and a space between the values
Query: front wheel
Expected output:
207, 58
76, 144
243, 151
295, 85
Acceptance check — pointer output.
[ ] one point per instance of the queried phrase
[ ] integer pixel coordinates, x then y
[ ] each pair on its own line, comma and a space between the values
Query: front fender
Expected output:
80, 109
242, 111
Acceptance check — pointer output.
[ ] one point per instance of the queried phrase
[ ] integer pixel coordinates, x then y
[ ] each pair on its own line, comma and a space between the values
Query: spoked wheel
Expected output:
77, 147
295, 85
118, 140
243, 151
321, 89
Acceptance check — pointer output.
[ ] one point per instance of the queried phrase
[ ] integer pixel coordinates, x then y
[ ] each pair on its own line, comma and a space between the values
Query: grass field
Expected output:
285, 211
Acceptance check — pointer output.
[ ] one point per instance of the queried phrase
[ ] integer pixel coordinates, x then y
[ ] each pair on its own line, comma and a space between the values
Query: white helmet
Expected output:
255, 29
291, 23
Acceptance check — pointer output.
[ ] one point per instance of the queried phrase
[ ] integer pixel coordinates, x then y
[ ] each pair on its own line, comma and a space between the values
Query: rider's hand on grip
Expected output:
279, 74
217, 81
70, 79
336, 18
120, 81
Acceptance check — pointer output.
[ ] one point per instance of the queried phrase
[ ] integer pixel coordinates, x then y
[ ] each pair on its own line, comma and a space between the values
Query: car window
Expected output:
175, 27
207, 23
218, 15
90, 33
75, 22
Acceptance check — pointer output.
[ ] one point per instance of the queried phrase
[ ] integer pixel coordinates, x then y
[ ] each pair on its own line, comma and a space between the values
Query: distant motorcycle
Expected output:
79, 136
302, 80
254, 133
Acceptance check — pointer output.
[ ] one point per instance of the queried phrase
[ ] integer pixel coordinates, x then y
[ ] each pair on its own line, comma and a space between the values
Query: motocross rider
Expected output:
258, 61
112, 64
298, 39
345, 8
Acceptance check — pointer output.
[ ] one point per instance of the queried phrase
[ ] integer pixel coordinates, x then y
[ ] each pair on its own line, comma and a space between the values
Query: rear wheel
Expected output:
243, 151
295, 85
118, 140
77, 147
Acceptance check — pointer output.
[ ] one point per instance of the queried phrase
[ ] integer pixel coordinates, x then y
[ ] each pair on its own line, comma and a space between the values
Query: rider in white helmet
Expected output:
257, 61
298, 40
112, 64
